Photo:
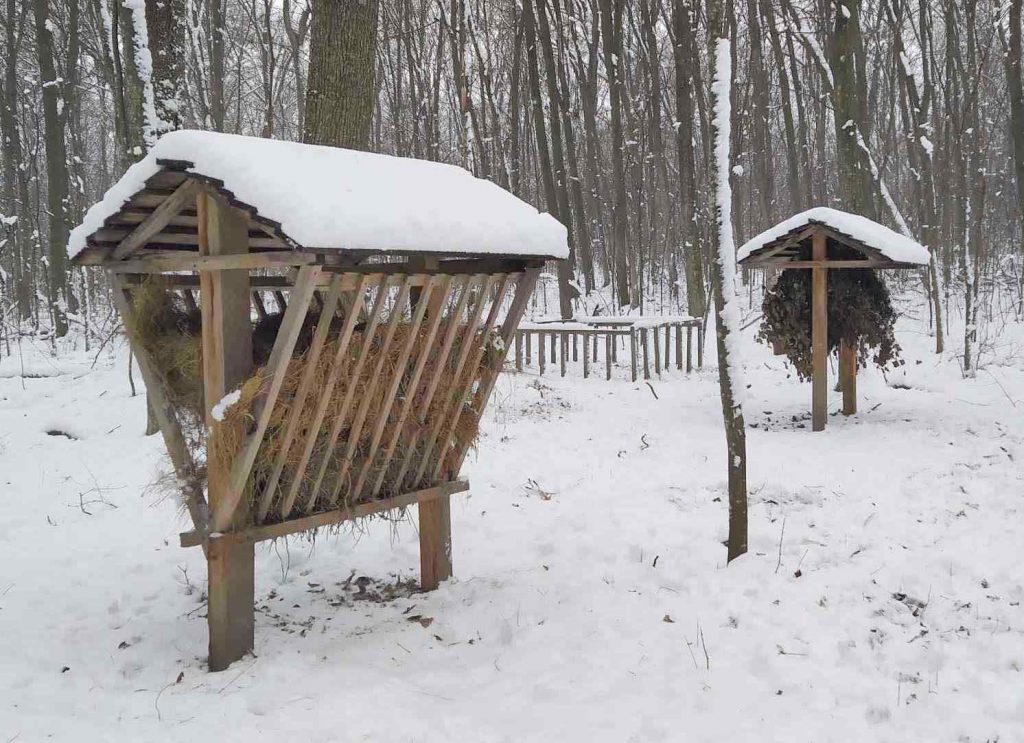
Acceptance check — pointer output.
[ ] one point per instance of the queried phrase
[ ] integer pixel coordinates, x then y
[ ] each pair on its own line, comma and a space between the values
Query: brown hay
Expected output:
172, 336
230, 433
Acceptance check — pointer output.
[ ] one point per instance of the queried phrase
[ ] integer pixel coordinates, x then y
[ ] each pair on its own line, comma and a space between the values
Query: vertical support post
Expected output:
657, 350
575, 347
609, 342
562, 350
848, 376
435, 542
529, 347
586, 353
700, 345
819, 335
540, 352
689, 348
519, 351
632, 353
668, 347
679, 346
647, 358
227, 361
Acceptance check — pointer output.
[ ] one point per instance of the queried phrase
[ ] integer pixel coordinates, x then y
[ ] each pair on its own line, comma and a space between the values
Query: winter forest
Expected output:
687, 554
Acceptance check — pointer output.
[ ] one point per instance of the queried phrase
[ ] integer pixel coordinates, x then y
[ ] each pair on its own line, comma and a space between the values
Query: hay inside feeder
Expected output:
171, 334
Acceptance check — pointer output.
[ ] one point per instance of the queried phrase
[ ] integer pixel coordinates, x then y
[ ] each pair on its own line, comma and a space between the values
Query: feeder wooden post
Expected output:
819, 334
436, 515
227, 362
848, 376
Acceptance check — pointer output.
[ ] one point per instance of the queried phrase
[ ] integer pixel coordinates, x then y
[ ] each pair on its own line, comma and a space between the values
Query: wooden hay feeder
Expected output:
824, 239
399, 285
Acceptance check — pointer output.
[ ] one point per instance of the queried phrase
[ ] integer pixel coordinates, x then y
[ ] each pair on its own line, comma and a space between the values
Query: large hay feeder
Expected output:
398, 286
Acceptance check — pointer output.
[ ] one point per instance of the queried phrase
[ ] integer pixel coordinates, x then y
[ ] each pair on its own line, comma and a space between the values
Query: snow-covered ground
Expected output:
881, 599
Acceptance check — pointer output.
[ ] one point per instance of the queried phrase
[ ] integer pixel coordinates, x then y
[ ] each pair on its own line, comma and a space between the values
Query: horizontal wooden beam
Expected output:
865, 263
330, 518
194, 262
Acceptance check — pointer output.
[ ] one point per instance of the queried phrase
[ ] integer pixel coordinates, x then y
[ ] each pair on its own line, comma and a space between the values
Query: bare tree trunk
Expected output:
56, 168
611, 33
723, 281
342, 91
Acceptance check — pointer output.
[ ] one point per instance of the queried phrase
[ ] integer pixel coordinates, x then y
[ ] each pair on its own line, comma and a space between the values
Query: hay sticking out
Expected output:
171, 334
229, 434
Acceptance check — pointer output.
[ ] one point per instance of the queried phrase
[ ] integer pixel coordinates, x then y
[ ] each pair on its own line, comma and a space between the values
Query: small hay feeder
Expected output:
319, 331
823, 239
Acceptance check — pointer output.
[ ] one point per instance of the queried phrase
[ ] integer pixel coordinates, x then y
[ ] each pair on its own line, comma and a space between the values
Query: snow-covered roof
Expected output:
332, 198
870, 234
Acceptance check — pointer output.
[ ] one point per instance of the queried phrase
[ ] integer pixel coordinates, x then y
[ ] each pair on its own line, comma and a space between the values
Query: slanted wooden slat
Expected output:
467, 348
396, 380
356, 429
441, 293
277, 367
524, 289
298, 404
183, 194
354, 374
443, 353
464, 384
174, 438
313, 432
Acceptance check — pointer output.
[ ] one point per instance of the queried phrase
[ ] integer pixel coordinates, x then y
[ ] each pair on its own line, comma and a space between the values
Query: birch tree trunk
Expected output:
723, 281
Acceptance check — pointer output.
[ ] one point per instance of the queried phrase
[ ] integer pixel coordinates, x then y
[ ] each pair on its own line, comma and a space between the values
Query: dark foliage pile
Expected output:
859, 311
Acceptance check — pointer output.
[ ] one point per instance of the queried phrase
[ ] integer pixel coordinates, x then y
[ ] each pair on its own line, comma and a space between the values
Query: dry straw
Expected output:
171, 334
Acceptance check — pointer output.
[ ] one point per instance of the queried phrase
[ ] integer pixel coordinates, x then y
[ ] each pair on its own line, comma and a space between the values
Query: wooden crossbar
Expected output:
328, 518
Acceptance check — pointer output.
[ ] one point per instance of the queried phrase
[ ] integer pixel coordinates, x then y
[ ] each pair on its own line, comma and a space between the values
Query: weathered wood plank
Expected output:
183, 194
819, 336
328, 518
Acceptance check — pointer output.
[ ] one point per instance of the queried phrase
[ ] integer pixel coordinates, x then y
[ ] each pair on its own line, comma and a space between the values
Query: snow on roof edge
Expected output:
331, 198
891, 244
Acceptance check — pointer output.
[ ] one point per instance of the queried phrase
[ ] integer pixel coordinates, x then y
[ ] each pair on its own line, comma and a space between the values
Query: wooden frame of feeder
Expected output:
784, 252
193, 231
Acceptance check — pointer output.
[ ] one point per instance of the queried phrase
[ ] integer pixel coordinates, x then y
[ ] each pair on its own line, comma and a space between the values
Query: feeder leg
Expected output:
540, 352
848, 377
231, 593
563, 343
819, 337
529, 348
435, 542
586, 354
575, 349
689, 346
519, 350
